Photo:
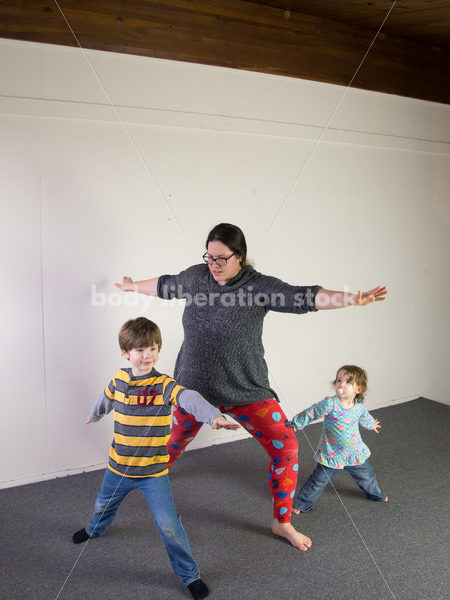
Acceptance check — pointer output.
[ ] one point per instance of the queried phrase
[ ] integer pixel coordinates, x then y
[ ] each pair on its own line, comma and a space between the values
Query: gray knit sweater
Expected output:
222, 355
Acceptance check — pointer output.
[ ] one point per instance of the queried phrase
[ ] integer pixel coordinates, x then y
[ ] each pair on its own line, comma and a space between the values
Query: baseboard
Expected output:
226, 438
46, 476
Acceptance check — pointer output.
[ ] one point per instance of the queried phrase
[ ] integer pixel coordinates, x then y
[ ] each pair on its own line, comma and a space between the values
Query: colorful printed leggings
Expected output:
267, 423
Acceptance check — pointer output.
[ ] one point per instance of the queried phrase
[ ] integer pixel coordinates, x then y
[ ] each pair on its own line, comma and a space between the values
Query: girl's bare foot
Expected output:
297, 539
386, 499
296, 511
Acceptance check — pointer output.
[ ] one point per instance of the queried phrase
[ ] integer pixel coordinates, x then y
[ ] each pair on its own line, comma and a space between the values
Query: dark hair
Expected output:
357, 376
231, 236
139, 333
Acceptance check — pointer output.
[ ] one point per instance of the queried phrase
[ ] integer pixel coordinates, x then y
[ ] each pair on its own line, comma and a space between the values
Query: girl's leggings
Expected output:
267, 423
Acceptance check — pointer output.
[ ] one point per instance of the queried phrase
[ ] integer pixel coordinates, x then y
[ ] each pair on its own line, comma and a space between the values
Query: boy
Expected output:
142, 401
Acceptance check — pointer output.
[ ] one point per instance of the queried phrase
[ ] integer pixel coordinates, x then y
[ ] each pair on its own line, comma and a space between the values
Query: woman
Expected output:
222, 355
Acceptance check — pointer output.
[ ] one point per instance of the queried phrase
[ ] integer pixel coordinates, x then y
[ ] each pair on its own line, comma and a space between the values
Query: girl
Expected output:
340, 445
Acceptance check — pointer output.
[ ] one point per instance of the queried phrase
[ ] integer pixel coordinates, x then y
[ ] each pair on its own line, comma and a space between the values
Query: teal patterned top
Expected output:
340, 444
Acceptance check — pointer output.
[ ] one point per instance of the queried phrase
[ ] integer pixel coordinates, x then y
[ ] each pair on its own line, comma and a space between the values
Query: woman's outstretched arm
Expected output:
328, 299
147, 286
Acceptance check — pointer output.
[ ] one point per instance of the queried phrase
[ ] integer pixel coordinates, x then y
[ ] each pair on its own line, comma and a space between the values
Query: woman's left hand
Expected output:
375, 295
222, 423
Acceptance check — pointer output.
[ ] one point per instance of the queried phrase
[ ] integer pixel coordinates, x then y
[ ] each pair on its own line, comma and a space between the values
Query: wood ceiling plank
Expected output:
237, 34
424, 20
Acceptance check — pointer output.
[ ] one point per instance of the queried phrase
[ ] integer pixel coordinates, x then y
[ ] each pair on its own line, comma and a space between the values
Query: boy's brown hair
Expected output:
139, 333
357, 376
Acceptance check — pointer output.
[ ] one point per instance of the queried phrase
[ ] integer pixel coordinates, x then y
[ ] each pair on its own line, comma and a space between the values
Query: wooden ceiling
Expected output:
322, 40
427, 21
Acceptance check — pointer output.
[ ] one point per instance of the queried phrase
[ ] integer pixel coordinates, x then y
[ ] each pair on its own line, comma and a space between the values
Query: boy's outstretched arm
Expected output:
101, 408
204, 412
222, 423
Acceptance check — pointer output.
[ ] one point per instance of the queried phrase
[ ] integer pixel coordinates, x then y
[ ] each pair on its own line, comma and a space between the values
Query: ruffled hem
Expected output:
339, 462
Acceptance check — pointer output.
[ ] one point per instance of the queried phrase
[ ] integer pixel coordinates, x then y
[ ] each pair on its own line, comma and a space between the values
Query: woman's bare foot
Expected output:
296, 538
296, 511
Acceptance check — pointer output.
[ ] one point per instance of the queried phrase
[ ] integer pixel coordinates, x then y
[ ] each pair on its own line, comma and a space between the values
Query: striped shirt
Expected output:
142, 411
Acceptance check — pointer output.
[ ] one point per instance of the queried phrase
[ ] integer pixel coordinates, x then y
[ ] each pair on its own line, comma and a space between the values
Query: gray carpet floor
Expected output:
361, 549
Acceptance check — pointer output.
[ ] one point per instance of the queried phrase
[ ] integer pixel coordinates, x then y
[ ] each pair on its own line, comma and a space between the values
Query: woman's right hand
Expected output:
127, 285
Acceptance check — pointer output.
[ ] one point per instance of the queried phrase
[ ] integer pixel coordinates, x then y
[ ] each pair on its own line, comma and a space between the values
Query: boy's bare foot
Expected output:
297, 539
296, 511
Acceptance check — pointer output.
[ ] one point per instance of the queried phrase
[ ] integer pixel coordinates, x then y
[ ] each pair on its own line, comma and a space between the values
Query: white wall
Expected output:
85, 199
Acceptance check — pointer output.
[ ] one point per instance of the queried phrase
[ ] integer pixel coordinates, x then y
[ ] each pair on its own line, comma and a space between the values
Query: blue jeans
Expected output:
363, 475
158, 494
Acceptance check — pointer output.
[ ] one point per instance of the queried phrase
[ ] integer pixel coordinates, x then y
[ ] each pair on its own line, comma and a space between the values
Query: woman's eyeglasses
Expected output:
220, 261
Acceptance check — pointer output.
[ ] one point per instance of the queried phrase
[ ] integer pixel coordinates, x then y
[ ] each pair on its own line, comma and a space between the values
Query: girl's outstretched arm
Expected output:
311, 414
368, 422
147, 286
377, 426
328, 299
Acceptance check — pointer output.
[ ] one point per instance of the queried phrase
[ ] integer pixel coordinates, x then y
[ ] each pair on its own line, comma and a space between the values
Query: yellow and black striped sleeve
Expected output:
171, 391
